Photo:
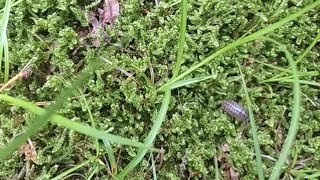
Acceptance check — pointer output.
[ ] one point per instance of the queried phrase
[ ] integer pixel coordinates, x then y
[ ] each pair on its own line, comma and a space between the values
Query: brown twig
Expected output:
24, 73
42, 103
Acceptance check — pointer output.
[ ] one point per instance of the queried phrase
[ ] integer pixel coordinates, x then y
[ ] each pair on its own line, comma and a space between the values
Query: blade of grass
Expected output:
3, 29
301, 58
154, 171
65, 122
12, 4
273, 67
279, 8
313, 175
69, 171
182, 34
73, 174
303, 82
295, 113
275, 79
93, 124
313, 43
309, 73
165, 104
208, 59
216, 167
41, 121
246, 39
253, 127
300, 81
94, 171
112, 159
6, 60
306, 170
188, 82
151, 136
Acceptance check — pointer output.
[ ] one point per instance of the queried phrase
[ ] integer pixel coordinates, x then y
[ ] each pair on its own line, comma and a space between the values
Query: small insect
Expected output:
235, 110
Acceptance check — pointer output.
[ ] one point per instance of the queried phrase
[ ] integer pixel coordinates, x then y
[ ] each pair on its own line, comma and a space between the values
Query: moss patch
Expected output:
144, 42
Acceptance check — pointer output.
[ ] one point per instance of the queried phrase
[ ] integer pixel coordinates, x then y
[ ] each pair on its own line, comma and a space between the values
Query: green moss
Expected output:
145, 45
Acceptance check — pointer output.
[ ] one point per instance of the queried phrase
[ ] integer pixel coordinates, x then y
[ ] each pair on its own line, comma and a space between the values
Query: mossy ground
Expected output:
144, 42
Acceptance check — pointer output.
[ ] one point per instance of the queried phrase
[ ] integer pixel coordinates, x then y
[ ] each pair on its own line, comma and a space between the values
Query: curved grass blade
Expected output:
112, 159
151, 136
41, 121
294, 124
253, 127
188, 82
69, 171
182, 34
273, 66
65, 122
93, 124
313, 43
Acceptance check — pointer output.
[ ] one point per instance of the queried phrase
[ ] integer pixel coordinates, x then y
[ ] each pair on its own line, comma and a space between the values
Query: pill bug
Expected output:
235, 110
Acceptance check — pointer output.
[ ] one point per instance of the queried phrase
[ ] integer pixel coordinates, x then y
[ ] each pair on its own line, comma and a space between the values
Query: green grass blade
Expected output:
279, 8
153, 166
274, 67
69, 176
208, 59
309, 73
65, 122
275, 79
313, 43
295, 113
182, 37
253, 128
246, 39
13, 4
216, 167
188, 82
69, 171
3, 30
93, 124
315, 175
111, 157
6, 60
286, 20
41, 121
302, 82
151, 136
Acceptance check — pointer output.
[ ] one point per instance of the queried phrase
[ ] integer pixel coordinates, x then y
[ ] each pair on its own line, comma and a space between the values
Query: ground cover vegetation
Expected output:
133, 89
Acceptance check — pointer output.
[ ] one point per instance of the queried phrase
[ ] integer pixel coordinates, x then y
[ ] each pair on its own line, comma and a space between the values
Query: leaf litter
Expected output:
105, 16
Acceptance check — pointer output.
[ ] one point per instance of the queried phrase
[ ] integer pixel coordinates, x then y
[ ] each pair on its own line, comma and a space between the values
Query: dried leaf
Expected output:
99, 20
29, 151
233, 174
225, 148
230, 173
110, 12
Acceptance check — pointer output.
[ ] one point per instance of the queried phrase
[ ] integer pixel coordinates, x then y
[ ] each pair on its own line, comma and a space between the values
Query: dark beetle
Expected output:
235, 110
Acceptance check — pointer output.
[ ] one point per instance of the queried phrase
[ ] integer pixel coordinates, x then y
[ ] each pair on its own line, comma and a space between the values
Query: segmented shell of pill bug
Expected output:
235, 110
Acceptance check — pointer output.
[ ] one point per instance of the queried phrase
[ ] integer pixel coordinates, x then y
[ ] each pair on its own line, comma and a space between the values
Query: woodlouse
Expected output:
235, 110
